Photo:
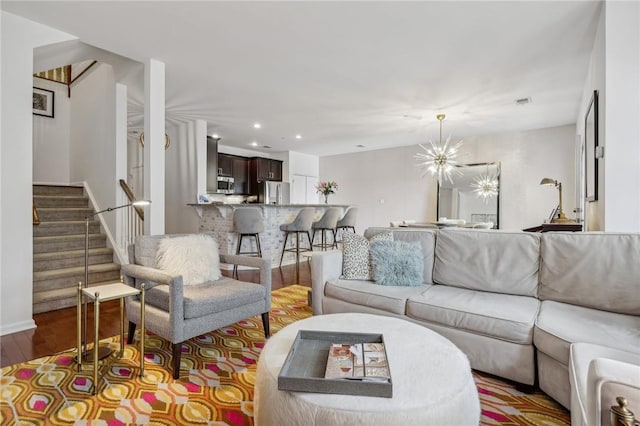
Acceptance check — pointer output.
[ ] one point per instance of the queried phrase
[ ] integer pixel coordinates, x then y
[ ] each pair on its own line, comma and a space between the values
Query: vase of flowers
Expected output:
326, 188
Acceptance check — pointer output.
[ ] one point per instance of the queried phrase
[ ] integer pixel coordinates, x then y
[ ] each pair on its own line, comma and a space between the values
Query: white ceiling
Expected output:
347, 73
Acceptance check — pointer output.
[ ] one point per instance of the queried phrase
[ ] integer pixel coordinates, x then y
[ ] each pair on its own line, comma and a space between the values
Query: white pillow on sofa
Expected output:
195, 257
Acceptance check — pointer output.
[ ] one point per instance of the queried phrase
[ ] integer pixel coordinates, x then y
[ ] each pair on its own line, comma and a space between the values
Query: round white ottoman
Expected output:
432, 381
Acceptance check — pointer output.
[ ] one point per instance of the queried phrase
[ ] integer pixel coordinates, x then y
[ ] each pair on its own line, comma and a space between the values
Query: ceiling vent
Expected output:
523, 101
266, 146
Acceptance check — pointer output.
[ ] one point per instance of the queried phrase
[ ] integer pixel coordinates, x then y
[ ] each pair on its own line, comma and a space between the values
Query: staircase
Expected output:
58, 248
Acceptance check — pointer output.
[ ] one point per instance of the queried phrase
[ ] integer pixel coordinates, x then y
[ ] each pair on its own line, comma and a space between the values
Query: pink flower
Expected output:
326, 188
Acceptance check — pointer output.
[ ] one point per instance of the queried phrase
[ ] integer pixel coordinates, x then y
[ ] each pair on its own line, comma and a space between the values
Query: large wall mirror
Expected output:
474, 195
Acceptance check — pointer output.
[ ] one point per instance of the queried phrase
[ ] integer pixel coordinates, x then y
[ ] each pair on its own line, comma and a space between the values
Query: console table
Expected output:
555, 227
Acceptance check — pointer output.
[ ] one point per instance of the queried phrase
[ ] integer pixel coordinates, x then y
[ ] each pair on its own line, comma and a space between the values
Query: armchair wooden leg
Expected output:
177, 354
132, 332
265, 324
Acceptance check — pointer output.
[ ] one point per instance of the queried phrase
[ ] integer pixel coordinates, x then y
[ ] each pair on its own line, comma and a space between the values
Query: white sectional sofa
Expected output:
514, 302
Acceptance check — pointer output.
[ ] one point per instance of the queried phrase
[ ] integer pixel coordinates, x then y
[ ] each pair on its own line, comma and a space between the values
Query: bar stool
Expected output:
301, 224
247, 222
327, 222
348, 221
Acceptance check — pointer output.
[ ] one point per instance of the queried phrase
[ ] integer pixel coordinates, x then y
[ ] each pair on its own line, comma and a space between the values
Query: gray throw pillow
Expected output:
355, 255
397, 263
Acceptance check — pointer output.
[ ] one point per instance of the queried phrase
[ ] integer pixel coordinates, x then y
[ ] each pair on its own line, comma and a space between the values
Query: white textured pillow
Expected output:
195, 257
356, 263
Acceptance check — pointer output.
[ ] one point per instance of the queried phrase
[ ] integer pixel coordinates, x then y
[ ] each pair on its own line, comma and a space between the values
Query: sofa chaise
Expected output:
514, 302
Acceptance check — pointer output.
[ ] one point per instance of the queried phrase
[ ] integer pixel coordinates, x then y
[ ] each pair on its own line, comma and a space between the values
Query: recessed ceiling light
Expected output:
257, 125
523, 101
215, 136
254, 143
298, 136
266, 146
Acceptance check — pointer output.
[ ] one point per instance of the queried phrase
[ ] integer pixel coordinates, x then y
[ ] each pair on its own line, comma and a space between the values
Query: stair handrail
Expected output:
131, 197
36, 215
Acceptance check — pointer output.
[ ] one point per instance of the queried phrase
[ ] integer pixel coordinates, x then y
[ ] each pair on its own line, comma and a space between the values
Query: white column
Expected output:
622, 127
121, 170
154, 161
201, 157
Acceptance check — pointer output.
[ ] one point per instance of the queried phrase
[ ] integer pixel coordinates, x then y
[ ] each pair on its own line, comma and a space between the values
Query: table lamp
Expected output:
103, 351
561, 218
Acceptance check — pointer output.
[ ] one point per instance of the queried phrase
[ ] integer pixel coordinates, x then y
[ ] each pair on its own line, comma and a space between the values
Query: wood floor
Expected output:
56, 330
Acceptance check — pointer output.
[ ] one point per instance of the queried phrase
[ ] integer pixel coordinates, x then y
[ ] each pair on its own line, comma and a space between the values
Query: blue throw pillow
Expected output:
397, 263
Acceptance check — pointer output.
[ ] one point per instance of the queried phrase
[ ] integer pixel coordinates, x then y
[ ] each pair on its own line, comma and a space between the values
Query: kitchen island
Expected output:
217, 219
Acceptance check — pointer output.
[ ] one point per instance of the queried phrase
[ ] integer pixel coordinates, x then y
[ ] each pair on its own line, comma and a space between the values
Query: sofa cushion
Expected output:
597, 270
210, 297
488, 260
356, 263
427, 238
368, 293
501, 316
396, 263
194, 257
560, 324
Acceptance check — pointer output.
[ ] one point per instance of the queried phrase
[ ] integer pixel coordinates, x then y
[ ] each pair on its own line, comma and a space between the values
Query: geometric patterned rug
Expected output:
215, 385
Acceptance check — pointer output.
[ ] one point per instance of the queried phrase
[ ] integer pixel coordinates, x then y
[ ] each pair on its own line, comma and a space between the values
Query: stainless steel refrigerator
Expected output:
273, 192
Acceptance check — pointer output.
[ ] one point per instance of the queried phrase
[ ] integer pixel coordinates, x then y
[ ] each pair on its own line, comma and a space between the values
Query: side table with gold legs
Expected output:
103, 293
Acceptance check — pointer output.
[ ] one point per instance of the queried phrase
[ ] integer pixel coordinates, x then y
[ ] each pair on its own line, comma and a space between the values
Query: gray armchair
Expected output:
179, 312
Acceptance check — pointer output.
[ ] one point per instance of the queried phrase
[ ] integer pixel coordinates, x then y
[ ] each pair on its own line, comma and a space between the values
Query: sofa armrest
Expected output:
608, 379
152, 277
324, 267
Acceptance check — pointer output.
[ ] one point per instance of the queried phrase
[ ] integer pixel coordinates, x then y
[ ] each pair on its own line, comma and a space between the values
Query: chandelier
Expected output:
485, 186
439, 159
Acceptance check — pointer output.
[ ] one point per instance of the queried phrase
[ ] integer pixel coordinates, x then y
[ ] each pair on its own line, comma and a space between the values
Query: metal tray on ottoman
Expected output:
304, 368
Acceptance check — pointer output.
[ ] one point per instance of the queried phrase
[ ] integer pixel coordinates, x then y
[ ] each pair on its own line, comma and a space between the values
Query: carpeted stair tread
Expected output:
57, 201
66, 278
60, 227
70, 258
51, 300
77, 270
71, 280
51, 214
67, 242
58, 190
71, 253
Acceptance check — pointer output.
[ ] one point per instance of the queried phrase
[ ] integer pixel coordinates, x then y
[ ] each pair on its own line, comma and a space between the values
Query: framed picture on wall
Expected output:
590, 148
43, 102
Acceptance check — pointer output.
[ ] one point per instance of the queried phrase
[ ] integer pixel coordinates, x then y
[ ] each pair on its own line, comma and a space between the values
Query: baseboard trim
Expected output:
17, 326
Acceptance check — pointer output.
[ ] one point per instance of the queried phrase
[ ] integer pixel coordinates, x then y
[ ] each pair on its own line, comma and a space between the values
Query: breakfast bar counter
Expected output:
217, 219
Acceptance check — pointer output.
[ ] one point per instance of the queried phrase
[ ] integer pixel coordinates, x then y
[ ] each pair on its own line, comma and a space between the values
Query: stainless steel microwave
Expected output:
225, 185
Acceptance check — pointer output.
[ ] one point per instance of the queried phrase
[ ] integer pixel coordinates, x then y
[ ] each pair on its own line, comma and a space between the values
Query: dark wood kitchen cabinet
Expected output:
241, 175
225, 165
263, 169
267, 169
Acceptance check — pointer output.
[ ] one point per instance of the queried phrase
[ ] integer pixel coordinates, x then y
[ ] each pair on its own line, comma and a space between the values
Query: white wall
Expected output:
51, 137
622, 117
595, 80
181, 185
93, 138
18, 37
614, 72
387, 185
